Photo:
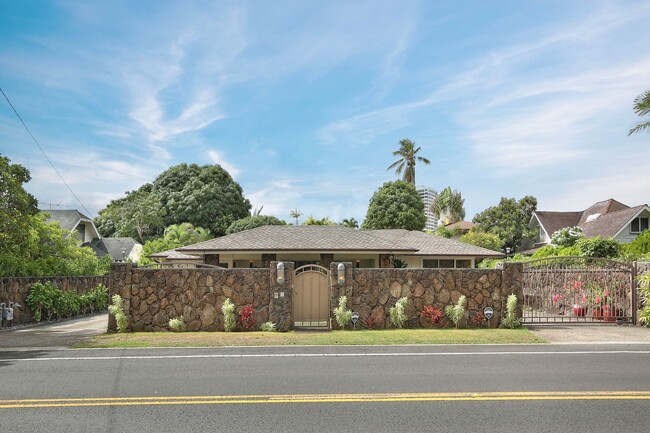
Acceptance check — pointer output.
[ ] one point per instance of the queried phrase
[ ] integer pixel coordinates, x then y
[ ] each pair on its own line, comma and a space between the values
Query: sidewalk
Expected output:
58, 335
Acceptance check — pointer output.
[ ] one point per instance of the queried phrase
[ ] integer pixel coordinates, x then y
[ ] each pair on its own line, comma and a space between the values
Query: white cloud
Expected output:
218, 159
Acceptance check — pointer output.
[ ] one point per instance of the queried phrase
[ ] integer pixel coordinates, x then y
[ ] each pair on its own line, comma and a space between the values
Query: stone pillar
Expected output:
385, 261
212, 259
337, 290
512, 282
281, 297
267, 259
326, 260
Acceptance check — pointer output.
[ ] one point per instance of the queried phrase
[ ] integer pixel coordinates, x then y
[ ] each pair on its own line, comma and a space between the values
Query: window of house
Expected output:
463, 263
446, 263
639, 224
430, 263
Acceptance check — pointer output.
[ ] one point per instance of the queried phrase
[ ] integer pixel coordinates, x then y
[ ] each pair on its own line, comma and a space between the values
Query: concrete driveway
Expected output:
592, 334
56, 335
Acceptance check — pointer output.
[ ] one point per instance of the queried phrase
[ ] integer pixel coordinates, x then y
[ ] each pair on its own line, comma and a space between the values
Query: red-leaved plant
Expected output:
478, 319
246, 317
369, 322
432, 314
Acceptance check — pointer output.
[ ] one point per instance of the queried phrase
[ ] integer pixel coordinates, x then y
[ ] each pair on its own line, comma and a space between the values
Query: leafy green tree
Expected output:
639, 247
482, 239
396, 205
311, 221
509, 220
445, 232
448, 206
16, 206
205, 196
250, 222
352, 223
641, 108
598, 247
408, 158
186, 234
295, 214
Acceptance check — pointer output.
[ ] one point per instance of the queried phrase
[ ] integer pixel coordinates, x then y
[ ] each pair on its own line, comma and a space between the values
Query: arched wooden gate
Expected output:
311, 301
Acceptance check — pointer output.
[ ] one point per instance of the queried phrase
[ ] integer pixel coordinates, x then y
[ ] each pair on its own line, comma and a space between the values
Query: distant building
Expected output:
428, 195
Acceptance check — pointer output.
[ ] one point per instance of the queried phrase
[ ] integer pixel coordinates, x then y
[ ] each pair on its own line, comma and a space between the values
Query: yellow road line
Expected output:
323, 398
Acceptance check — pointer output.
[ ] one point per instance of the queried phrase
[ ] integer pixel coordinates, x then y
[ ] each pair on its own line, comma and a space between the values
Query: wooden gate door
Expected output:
311, 305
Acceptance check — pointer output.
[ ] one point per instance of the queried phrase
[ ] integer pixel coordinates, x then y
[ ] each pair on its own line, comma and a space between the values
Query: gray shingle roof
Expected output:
337, 238
68, 219
173, 254
298, 238
608, 225
554, 221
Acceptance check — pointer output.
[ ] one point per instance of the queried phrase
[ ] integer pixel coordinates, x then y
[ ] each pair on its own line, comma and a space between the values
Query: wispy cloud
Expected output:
218, 159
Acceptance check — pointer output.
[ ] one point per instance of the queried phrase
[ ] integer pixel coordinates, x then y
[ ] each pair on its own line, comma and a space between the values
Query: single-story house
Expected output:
119, 249
323, 245
608, 219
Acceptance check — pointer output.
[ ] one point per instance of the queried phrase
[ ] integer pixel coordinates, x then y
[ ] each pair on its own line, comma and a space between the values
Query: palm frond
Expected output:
642, 103
639, 127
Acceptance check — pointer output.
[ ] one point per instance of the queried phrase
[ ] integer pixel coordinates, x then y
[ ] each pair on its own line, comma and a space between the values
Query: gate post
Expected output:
281, 302
336, 290
512, 279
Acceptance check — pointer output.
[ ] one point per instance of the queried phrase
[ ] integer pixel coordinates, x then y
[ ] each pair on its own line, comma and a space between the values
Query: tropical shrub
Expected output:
567, 236
117, 310
342, 315
228, 310
268, 327
397, 314
644, 290
598, 247
638, 248
247, 317
510, 319
177, 324
478, 319
456, 312
46, 298
432, 314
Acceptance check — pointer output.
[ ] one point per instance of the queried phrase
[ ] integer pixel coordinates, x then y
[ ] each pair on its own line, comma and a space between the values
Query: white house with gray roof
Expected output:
323, 245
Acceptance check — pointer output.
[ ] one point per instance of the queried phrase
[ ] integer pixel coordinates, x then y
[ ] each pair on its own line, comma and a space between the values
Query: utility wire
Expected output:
44, 154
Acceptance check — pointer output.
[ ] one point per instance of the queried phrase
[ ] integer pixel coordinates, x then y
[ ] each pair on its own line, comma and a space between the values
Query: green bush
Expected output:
268, 327
456, 312
598, 247
510, 319
228, 310
117, 310
177, 324
342, 315
397, 314
638, 248
644, 289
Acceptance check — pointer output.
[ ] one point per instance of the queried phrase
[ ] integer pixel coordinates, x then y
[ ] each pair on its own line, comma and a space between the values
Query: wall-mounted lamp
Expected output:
280, 276
341, 274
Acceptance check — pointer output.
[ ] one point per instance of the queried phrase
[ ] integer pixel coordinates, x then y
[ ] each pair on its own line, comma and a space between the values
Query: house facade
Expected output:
608, 219
322, 245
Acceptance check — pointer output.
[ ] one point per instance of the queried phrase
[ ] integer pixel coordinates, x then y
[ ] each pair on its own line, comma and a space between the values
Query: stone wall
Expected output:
372, 292
16, 289
153, 296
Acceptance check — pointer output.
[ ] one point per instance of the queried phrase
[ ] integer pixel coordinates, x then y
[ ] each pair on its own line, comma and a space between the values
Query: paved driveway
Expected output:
593, 334
54, 335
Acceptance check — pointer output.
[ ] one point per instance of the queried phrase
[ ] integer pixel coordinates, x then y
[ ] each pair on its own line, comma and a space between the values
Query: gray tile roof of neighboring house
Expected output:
112, 247
602, 208
68, 219
432, 245
299, 238
608, 225
173, 254
554, 221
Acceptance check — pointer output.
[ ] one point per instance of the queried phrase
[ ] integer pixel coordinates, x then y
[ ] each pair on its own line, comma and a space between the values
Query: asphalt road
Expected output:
433, 388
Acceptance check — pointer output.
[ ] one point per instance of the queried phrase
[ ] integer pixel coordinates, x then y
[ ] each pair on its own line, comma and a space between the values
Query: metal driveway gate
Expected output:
578, 290
311, 301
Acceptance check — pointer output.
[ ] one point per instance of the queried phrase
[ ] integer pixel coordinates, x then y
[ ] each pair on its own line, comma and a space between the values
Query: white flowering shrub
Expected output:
456, 312
228, 310
397, 314
342, 315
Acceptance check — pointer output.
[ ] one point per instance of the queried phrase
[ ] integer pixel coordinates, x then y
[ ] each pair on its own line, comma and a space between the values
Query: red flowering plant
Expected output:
247, 317
432, 314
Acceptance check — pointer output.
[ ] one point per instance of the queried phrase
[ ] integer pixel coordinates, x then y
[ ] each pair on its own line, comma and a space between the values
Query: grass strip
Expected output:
313, 338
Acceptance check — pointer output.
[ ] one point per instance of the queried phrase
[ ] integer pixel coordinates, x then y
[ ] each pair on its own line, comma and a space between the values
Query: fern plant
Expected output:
397, 314
117, 310
267, 327
228, 310
177, 324
456, 312
342, 315
510, 320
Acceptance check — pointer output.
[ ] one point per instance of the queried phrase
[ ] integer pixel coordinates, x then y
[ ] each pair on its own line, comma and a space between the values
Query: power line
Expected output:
44, 154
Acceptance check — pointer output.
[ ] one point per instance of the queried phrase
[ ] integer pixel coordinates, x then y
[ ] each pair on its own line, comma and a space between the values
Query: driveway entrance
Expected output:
311, 304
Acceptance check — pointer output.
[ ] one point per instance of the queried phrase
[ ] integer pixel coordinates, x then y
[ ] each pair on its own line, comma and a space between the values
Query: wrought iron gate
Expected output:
578, 290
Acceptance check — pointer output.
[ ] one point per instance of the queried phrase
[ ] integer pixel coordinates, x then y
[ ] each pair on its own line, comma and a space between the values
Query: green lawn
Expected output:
316, 338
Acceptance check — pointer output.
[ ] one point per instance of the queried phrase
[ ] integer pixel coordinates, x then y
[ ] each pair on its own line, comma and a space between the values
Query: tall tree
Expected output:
406, 163
509, 220
642, 108
295, 214
396, 205
186, 234
351, 222
448, 206
252, 222
16, 205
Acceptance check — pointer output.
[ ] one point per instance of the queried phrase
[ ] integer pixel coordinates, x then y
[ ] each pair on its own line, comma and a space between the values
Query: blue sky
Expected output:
303, 102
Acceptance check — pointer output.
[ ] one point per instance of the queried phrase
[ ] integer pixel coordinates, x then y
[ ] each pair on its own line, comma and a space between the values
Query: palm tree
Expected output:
352, 223
448, 206
295, 214
641, 107
408, 157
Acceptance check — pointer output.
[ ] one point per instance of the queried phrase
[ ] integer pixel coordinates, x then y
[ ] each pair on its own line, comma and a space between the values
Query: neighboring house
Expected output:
609, 219
323, 245
428, 196
119, 249
462, 227
73, 220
